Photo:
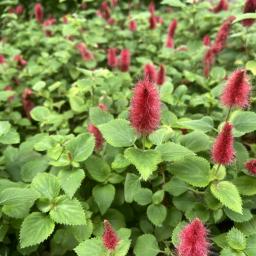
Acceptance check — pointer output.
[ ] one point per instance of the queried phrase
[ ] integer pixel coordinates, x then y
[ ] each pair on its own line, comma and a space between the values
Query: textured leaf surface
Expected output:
91, 247
146, 245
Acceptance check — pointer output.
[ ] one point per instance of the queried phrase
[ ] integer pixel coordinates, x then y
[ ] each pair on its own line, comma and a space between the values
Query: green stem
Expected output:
228, 115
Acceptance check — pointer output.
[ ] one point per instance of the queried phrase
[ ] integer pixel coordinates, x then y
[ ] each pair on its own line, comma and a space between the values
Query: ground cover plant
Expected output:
128, 128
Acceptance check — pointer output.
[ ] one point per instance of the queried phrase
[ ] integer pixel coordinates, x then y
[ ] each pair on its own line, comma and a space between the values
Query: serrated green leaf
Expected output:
236, 239
248, 227
47, 185
122, 248
176, 233
118, 133
237, 217
98, 116
143, 196
4, 127
131, 187
174, 3
103, 196
246, 185
193, 170
175, 186
145, 161
244, 121
91, 247
68, 211
146, 245
81, 147
156, 214
251, 246
70, 180
35, 228
227, 193
171, 151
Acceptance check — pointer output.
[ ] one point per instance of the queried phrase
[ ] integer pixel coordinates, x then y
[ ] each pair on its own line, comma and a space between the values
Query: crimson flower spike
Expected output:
110, 239
249, 7
172, 27
99, 140
161, 75
208, 61
112, 58
193, 240
152, 22
125, 60
223, 148
221, 6
145, 107
251, 166
237, 90
39, 13
150, 72
133, 25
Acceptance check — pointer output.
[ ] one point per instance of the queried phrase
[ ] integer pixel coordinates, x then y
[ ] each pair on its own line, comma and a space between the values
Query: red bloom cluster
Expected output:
221, 6
206, 40
2, 59
249, 7
110, 239
150, 72
251, 166
19, 9
237, 90
27, 103
99, 140
161, 75
39, 13
133, 25
145, 107
47, 23
102, 106
19, 59
105, 12
124, 60
84, 52
112, 58
223, 149
170, 35
193, 240
151, 7
218, 45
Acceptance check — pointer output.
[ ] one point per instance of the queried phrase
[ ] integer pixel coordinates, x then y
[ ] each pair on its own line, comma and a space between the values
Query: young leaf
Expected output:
228, 195
131, 187
156, 214
236, 239
91, 247
244, 121
103, 196
145, 161
118, 133
146, 245
35, 228
68, 211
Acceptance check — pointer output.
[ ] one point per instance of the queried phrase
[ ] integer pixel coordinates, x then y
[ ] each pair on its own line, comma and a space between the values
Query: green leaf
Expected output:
176, 233
131, 187
171, 151
230, 252
145, 161
236, 239
248, 227
196, 141
246, 185
146, 245
244, 16
17, 201
118, 133
103, 196
161, 135
98, 116
11, 137
251, 246
92, 247
237, 217
205, 124
175, 186
68, 211
174, 3
35, 228
251, 65
81, 147
193, 170
122, 248
157, 214
70, 180
244, 121
143, 196
227, 193
40, 113
4, 127
47, 185
98, 169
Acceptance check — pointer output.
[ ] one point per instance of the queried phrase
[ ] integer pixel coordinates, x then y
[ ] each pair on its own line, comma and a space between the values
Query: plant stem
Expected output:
228, 115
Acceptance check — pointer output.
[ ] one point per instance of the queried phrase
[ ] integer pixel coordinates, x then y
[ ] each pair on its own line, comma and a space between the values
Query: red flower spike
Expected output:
145, 107
161, 75
221, 6
103, 107
151, 7
222, 35
150, 72
223, 150
27, 103
193, 240
133, 25
84, 52
2, 59
159, 20
237, 90
19, 9
208, 61
110, 239
207, 40
249, 7
112, 58
251, 166
39, 13
152, 22
114, 3
49, 22
172, 27
19, 59
99, 140
124, 61
169, 42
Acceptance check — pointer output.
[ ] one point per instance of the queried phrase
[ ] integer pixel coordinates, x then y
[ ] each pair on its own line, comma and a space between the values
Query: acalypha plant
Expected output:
128, 128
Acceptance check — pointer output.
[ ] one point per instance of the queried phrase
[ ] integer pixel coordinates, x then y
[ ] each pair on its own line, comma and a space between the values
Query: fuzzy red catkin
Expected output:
161, 75
251, 166
150, 72
110, 239
99, 140
249, 7
221, 6
39, 13
112, 58
124, 60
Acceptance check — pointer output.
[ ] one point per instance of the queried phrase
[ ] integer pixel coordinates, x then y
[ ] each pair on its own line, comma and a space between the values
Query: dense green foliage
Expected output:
56, 188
